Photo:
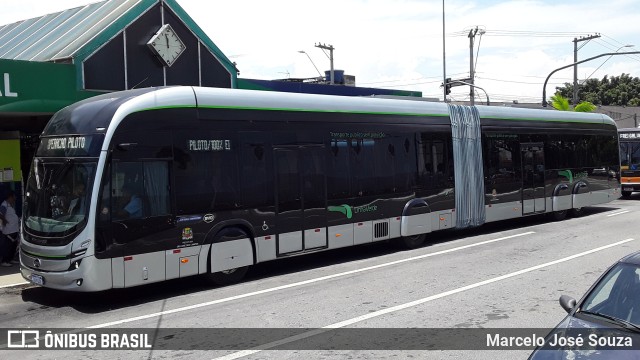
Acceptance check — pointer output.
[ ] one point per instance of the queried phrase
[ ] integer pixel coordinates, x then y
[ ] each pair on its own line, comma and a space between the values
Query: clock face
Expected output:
166, 45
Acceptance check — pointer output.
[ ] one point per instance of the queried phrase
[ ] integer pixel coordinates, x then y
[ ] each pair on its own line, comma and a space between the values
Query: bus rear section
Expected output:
629, 140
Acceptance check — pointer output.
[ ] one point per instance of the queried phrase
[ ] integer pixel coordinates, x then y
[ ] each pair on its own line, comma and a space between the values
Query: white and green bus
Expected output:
146, 185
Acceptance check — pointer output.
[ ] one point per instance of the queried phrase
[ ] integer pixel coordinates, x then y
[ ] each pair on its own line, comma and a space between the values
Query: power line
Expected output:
620, 44
396, 80
532, 76
522, 33
517, 82
613, 47
418, 83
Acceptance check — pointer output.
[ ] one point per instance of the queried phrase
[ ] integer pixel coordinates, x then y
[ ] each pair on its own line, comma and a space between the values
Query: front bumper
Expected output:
68, 280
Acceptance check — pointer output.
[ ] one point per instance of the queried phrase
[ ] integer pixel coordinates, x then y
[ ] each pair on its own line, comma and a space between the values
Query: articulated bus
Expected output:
147, 185
629, 160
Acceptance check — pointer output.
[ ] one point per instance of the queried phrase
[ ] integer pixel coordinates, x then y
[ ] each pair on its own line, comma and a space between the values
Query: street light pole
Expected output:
594, 71
544, 87
472, 86
312, 63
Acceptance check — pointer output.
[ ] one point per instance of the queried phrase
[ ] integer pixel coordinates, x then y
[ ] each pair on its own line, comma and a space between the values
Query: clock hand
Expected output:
167, 37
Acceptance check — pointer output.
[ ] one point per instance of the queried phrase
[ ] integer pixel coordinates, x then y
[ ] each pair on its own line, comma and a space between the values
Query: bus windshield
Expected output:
630, 155
57, 196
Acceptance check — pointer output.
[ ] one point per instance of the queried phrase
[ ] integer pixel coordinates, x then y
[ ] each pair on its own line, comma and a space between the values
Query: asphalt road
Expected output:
503, 275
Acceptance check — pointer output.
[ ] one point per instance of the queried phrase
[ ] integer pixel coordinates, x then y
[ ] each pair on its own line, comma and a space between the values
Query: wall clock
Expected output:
166, 45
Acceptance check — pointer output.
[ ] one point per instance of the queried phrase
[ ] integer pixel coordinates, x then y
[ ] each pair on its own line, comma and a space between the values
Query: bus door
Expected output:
301, 221
533, 199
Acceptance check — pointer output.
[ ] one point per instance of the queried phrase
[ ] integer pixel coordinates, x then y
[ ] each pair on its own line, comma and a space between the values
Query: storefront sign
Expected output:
37, 87
7, 87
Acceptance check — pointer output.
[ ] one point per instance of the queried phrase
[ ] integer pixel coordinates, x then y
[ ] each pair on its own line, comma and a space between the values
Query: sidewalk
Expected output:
11, 276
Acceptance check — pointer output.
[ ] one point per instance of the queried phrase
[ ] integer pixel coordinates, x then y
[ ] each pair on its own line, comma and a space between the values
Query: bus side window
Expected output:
405, 169
140, 189
433, 157
156, 188
126, 190
361, 164
338, 170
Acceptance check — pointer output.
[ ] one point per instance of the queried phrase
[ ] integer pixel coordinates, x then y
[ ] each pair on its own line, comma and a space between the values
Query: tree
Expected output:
585, 106
620, 90
560, 102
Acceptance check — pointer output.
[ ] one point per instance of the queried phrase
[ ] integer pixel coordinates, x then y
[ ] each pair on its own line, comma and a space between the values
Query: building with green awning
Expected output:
55, 60
52, 61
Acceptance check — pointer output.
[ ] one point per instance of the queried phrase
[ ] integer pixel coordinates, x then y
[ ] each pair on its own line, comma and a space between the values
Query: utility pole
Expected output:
575, 67
472, 35
444, 61
330, 48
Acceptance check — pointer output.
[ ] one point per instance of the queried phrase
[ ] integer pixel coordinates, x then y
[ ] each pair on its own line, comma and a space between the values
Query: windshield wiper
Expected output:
624, 323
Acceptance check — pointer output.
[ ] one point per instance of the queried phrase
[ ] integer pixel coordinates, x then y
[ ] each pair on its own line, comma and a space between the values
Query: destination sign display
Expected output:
70, 145
630, 136
209, 145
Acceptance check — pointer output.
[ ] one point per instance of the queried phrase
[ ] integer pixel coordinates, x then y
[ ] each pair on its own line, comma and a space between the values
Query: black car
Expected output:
605, 323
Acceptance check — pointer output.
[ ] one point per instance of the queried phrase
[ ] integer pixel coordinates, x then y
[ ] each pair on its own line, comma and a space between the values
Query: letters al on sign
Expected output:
28, 86
7, 87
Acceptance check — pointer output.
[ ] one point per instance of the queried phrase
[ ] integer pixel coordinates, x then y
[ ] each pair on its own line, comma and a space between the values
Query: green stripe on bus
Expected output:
595, 121
286, 109
45, 256
317, 110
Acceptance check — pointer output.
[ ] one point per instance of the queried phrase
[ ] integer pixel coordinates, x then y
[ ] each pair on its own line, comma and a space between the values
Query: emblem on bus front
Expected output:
187, 234
208, 218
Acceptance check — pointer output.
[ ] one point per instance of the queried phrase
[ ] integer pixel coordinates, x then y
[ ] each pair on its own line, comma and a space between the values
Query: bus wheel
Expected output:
559, 215
626, 194
577, 212
228, 277
412, 242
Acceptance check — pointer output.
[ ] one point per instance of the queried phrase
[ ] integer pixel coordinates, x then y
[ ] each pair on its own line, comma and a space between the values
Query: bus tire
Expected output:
228, 277
411, 242
626, 194
577, 212
559, 215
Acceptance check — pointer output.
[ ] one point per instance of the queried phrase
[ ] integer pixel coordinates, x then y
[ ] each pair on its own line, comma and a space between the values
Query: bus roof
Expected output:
107, 110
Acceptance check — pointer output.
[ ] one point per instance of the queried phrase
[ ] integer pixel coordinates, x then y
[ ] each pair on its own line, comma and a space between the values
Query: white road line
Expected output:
306, 282
618, 213
12, 285
378, 313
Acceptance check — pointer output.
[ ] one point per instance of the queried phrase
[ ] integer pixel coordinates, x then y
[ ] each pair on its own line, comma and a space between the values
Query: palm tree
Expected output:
561, 103
585, 106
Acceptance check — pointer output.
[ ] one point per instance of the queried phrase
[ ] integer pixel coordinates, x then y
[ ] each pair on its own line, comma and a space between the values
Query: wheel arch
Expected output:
226, 228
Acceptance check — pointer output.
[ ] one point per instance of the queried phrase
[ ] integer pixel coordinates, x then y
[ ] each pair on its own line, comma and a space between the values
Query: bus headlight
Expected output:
75, 265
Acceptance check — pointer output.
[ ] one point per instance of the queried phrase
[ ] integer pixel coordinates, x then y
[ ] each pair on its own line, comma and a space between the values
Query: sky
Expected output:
398, 44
